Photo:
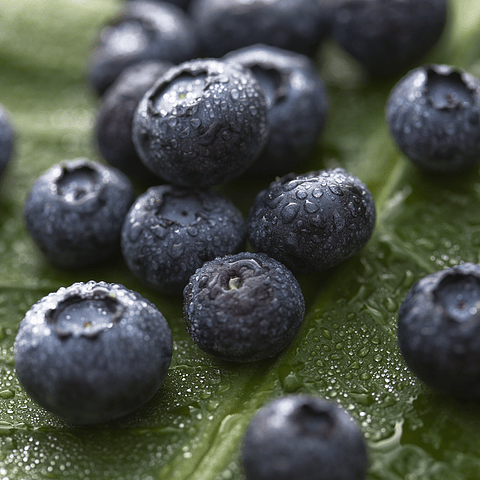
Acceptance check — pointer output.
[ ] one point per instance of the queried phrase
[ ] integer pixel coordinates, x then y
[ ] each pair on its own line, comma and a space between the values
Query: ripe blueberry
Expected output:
297, 105
170, 232
434, 116
92, 352
243, 307
144, 30
304, 437
113, 131
7, 139
314, 221
297, 25
387, 36
75, 211
203, 124
439, 330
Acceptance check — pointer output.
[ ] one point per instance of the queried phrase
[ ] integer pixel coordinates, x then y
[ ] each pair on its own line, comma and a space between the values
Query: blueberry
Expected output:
92, 352
170, 232
387, 36
7, 139
203, 124
314, 221
144, 30
297, 25
297, 105
75, 211
113, 131
304, 437
243, 307
439, 330
434, 116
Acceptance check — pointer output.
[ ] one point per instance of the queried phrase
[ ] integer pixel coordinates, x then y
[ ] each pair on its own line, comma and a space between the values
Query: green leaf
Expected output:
346, 351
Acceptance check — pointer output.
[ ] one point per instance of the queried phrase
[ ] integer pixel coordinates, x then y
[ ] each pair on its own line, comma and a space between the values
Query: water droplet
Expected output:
159, 231
336, 190
310, 207
317, 193
195, 122
339, 220
289, 212
326, 333
235, 94
135, 231
6, 394
363, 352
177, 250
301, 194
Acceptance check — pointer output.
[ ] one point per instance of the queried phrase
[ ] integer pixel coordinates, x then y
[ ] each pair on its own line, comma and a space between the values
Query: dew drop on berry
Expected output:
289, 212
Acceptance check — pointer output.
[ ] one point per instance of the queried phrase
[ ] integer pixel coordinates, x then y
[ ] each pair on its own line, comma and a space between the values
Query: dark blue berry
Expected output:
92, 352
388, 36
297, 105
243, 307
7, 139
75, 211
314, 221
170, 232
297, 25
203, 124
439, 330
304, 437
113, 130
144, 30
434, 116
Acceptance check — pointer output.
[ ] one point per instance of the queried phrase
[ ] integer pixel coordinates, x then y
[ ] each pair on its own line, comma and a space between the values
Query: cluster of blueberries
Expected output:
260, 110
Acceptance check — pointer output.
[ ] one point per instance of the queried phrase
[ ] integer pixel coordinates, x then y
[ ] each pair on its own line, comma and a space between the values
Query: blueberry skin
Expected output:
434, 116
202, 124
7, 140
113, 130
92, 352
144, 30
169, 232
243, 308
313, 221
75, 211
388, 36
297, 105
297, 25
439, 330
300, 437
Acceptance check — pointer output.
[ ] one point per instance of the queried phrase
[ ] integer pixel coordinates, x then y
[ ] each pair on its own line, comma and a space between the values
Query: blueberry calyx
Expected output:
86, 315
238, 274
179, 207
459, 296
311, 419
77, 183
447, 88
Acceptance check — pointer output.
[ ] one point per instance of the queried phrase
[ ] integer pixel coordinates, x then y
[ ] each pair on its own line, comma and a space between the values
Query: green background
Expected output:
346, 350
